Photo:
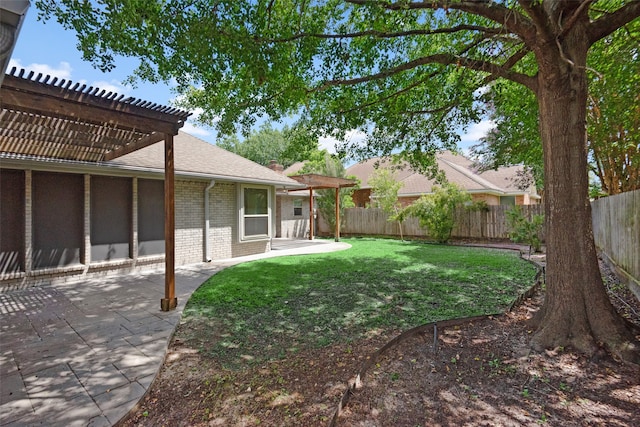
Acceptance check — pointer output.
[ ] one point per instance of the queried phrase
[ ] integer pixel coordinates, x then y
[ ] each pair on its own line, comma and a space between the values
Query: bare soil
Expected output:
479, 373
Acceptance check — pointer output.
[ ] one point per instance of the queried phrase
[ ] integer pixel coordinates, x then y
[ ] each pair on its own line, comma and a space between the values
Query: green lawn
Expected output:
263, 309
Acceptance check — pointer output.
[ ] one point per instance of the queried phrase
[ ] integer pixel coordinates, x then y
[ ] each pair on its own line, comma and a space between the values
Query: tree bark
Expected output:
577, 311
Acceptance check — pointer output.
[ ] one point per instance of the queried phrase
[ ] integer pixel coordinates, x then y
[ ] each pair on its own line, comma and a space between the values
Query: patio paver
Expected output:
84, 353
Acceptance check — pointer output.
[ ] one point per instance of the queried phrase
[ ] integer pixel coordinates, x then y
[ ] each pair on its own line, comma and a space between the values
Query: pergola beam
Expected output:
61, 120
134, 146
317, 182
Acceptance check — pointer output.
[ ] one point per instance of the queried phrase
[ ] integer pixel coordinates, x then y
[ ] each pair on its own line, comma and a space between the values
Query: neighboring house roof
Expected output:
196, 157
294, 169
458, 170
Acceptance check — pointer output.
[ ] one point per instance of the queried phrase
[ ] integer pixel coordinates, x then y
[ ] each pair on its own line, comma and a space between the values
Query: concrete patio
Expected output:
84, 353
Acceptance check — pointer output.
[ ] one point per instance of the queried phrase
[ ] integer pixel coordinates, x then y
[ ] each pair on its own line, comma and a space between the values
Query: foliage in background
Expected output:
384, 189
525, 230
613, 118
436, 212
477, 206
287, 146
324, 163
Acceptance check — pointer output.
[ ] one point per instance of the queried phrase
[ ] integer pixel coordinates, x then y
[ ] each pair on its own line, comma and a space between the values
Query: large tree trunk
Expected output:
576, 312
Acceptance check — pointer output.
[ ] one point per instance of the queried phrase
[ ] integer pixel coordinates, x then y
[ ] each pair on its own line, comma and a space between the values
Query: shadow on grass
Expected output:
266, 309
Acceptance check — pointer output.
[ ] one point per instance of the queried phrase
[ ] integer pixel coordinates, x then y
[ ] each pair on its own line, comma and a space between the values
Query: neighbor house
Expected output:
98, 205
495, 187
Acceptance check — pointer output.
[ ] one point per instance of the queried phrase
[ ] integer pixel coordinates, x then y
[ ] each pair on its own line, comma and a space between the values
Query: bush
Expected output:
436, 211
524, 230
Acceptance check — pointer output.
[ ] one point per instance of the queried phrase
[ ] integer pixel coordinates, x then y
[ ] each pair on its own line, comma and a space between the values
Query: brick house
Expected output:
65, 219
495, 187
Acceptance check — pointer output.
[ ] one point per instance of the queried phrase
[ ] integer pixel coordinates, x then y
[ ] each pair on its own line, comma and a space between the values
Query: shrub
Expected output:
436, 211
524, 230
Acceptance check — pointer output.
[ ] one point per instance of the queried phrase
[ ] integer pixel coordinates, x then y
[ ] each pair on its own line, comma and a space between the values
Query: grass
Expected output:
265, 309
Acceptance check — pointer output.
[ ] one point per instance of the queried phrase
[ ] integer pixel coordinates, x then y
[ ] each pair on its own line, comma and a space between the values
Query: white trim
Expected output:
241, 216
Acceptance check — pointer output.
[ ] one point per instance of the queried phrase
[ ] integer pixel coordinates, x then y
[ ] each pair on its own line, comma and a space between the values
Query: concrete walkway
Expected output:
84, 353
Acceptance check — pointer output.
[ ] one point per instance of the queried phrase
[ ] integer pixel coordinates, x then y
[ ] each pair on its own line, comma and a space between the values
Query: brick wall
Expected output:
489, 199
189, 205
189, 221
223, 223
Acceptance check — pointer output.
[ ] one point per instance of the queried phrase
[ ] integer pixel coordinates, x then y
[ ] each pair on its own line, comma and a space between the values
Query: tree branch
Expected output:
384, 35
510, 62
445, 108
443, 59
610, 22
510, 19
395, 94
574, 17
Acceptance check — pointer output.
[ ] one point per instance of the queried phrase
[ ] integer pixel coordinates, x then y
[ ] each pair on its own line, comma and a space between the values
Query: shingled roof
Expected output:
458, 170
198, 158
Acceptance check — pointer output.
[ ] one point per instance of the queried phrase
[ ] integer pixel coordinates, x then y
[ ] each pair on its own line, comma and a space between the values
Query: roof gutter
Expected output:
107, 168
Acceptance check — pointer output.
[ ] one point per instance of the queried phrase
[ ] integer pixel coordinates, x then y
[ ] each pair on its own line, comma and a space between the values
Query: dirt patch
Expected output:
479, 373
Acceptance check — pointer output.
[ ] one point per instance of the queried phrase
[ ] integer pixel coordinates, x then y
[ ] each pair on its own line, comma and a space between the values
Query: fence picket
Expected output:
616, 226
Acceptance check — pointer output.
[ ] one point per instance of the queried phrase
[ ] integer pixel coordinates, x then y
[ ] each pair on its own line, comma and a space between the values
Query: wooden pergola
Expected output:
41, 117
319, 182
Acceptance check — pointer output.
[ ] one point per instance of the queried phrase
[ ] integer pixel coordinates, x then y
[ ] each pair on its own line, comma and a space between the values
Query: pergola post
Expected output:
321, 182
337, 236
311, 216
170, 301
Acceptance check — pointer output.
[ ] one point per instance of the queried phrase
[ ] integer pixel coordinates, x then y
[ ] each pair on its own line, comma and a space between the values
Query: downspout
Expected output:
207, 258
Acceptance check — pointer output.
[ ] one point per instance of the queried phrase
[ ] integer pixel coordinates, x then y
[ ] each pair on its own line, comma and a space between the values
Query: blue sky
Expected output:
49, 49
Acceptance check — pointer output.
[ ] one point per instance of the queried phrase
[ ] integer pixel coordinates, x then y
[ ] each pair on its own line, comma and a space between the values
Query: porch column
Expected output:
169, 302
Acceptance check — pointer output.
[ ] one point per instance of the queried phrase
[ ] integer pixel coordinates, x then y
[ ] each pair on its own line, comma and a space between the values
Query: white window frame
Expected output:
300, 202
241, 217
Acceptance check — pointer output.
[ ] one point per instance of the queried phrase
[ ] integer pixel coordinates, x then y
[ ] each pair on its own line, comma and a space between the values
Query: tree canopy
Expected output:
407, 73
286, 146
613, 117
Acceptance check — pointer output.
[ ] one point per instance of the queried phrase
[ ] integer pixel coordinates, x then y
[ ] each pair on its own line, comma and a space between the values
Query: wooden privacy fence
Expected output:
616, 229
490, 224
616, 226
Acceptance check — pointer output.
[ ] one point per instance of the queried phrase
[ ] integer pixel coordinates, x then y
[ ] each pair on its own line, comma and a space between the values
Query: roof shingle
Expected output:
195, 156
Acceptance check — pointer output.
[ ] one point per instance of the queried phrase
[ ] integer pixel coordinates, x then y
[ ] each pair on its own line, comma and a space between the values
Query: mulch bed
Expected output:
479, 373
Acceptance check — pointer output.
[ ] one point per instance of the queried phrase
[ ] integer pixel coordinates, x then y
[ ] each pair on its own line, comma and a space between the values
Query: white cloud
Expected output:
481, 90
475, 132
61, 71
329, 143
194, 130
111, 86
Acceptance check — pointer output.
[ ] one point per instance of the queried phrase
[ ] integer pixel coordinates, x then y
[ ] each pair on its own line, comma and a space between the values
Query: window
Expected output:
11, 221
255, 213
508, 200
297, 207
